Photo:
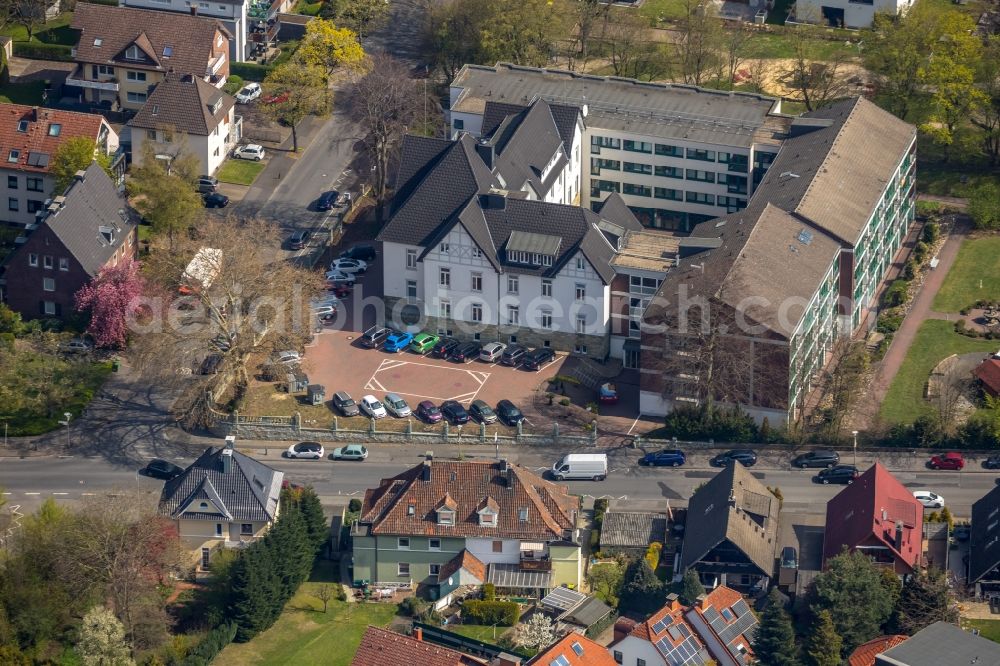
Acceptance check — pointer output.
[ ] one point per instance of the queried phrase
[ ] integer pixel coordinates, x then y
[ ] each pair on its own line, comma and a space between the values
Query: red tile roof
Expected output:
722, 599
38, 139
864, 654
869, 511
549, 508
380, 647
464, 560
988, 372
577, 650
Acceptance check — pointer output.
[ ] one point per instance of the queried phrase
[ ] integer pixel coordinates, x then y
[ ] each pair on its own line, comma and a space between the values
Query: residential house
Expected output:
941, 643
631, 532
984, 544
678, 155
726, 624
123, 53
224, 499
89, 227
854, 14
380, 647
864, 654
988, 374
573, 650
445, 523
575, 611
481, 262
878, 516
184, 113
773, 288
731, 533
31, 136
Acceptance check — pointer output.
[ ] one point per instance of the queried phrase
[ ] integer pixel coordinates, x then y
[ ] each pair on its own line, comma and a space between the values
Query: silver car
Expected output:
397, 406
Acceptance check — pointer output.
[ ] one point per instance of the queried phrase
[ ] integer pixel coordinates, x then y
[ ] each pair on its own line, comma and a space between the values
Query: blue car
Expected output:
398, 341
664, 458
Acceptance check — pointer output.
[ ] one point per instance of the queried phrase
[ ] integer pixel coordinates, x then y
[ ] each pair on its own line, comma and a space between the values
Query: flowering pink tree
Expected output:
110, 298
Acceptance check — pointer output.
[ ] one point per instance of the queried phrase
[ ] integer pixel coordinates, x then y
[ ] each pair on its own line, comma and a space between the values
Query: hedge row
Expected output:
43, 51
214, 642
505, 613
250, 71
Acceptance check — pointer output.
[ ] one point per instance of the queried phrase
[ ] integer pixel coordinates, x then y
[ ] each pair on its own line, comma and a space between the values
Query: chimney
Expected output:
34, 114
623, 627
80, 175
425, 473
700, 602
418, 634
672, 601
493, 201
732, 497
505, 659
194, 10
227, 460
899, 535
486, 151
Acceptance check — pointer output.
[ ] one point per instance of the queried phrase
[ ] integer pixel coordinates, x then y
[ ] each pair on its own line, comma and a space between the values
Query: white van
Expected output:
581, 466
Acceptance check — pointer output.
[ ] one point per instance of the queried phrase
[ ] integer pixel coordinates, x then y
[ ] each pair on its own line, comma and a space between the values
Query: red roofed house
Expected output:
876, 515
29, 139
574, 650
988, 374
381, 647
864, 654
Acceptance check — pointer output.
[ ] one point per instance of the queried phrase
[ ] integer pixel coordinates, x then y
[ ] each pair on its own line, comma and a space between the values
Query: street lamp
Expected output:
855, 433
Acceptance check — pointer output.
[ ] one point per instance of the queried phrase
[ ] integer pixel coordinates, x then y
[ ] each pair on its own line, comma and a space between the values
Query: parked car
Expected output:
950, 460
664, 458
593, 466
423, 343
508, 413
211, 364
789, 558
280, 98
492, 352
465, 352
512, 355
454, 412
747, 457
397, 341
312, 450
607, 394
397, 406
962, 532
345, 404
207, 184
429, 412
350, 266
445, 346
215, 200
928, 499
843, 474
163, 469
339, 290
350, 452
372, 407
298, 239
249, 93
535, 359
362, 252
251, 151
76, 346
334, 278
326, 200
374, 336
820, 458
287, 357
993, 462
482, 412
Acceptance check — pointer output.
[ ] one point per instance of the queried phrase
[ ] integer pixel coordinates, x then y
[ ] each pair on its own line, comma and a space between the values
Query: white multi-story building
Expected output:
846, 13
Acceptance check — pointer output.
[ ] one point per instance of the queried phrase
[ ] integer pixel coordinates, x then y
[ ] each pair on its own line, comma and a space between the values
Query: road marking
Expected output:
60, 493
634, 423
32, 493
88, 494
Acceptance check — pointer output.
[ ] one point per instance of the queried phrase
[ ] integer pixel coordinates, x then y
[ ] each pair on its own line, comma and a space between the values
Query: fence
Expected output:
462, 643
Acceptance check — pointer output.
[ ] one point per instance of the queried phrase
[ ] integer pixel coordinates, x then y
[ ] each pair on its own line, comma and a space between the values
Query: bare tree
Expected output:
759, 71
30, 14
631, 51
590, 14
325, 593
815, 83
701, 42
946, 393
386, 102
736, 39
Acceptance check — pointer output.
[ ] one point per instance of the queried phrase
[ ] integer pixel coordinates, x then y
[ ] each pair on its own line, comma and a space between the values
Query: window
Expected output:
132, 53
411, 259
477, 282
667, 193
477, 253
434, 569
703, 155
513, 315
636, 190
635, 167
446, 309
12, 204
403, 543
598, 142
701, 176
700, 197
169, 50
246, 529
218, 529
137, 98
488, 519
33, 260
151, 134
33, 184
445, 248
47, 261
546, 319
63, 264
444, 277
206, 553
669, 151
22, 126
105, 70
411, 289
35, 206
637, 146
477, 312
136, 76
618, 657
48, 284
581, 291
640, 662
522, 514
434, 544
512, 284
581, 323
596, 164
11, 182
580, 264
669, 172
446, 517
546, 287
580, 349
498, 546
458, 124
14, 155
403, 569
49, 308
560, 660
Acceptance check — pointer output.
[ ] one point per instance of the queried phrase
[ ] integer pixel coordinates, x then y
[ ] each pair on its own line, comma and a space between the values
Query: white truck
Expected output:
581, 466
201, 271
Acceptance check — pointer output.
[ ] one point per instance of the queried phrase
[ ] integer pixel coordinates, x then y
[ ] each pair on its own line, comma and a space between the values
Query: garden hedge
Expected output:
488, 613
40, 51
250, 71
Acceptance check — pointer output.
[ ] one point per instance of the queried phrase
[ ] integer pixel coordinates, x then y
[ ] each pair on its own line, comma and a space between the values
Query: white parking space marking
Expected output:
478, 377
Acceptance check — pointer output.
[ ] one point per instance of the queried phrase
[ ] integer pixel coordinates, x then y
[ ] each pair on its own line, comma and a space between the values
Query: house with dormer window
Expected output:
443, 525
123, 53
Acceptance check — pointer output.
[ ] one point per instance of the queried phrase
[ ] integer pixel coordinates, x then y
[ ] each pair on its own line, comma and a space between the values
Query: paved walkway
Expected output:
954, 202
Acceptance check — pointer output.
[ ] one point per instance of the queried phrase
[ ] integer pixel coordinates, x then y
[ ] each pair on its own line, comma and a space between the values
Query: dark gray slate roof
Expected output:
525, 144
185, 103
941, 643
984, 541
632, 529
92, 206
248, 492
588, 613
565, 117
736, 507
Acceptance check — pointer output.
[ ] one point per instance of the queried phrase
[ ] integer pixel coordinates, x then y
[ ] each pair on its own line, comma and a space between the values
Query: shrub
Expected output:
653, 554
564, 402
489, 592
910, 268
946, 517
702, 423
354, 505
491, 612
896, 294
932, 231
233, 84
888, 323
212, 645
920, 251
412, 606
250, 71
40, 51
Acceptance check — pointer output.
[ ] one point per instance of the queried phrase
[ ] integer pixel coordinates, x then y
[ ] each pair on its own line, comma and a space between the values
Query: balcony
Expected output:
74, 79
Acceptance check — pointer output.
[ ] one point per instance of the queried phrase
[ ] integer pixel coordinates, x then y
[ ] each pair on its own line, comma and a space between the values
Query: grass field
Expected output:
56, 31
29, 92
987, 628
240, 172
978, 262
936, 339
479, 632
304, 634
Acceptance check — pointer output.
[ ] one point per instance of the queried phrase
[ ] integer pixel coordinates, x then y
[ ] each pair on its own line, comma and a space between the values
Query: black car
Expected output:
535, 359
327, 200
817, 459
298, 240
211, 364
482, 412
747, 457
363, 252
444, 347
345, 404
843, 474
215, 200
163, 469
664, 458
512, 355
454, 412
993, 462
465, 352
962, 532
508, 413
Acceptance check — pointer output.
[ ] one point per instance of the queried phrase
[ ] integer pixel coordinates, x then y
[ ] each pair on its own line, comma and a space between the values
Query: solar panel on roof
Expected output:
741, 608
674, 633
658, 627
741, 625
577, 648
684, 630
711, 614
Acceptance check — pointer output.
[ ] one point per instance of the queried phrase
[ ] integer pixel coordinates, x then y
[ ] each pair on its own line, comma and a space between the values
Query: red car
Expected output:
947, 461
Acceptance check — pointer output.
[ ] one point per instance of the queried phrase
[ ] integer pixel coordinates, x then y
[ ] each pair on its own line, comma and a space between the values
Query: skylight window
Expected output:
168, 51
55, 129
577, 648
22, 126
98, 41
14, 156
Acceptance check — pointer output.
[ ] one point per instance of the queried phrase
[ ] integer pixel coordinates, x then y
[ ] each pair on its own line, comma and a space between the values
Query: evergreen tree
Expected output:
824, 642
774, 643
257, 597
691, 587
923, 601
857, 595
642, 592
288, 544
317, 525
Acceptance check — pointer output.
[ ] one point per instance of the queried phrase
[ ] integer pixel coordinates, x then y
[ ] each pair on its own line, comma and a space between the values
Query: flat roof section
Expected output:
647, 250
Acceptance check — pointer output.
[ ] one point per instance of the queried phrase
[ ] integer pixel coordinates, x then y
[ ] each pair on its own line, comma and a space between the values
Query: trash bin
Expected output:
115, 364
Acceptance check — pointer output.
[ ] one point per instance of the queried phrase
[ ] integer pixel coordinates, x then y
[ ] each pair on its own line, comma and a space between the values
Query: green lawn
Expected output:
29, 92
779, 45
305, 635
978, 262
936, 339
56, 31
987, 628
240, 172
479, 632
